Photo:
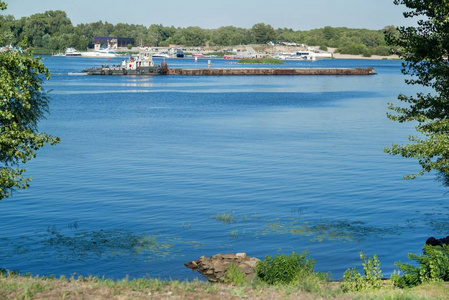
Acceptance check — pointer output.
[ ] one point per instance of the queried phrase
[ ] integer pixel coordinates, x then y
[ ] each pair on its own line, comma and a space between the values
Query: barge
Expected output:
274, 71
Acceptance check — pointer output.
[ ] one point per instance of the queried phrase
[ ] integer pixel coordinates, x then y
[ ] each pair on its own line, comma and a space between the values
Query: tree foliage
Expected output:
23, 102
263, 33
425, 49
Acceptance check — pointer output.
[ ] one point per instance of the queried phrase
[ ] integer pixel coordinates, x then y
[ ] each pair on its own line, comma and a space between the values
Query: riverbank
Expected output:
25, 287
244, 49
336, 55
372, 57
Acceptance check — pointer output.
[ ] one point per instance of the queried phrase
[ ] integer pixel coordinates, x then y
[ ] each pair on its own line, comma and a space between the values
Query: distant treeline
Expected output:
54, 31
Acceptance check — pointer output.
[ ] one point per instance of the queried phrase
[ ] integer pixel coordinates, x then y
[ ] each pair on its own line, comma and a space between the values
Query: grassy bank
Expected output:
264, 61
277, 277
24, 287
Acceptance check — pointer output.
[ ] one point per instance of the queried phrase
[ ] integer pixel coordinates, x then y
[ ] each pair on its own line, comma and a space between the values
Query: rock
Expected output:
216, 267
191, 265
229, 256
432, 242
217, 256
251, 263
247, 270
221, 267
437, 242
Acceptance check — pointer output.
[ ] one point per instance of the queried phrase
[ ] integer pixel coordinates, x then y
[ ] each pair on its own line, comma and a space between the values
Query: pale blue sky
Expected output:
296, 14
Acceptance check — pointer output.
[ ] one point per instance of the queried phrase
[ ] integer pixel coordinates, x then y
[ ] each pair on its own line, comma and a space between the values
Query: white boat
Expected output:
300, 55
161, 55
72, 52
108, 53
307, 55
284, 56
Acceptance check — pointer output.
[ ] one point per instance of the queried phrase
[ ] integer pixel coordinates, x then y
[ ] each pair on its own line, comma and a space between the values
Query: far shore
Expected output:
350, 56
372, 57
253, 49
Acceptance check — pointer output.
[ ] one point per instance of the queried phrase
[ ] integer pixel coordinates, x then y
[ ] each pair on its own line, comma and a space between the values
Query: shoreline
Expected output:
36, 287
373, 57
360, 56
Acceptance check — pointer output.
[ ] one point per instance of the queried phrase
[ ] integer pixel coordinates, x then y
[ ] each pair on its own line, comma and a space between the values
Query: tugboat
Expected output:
142, 64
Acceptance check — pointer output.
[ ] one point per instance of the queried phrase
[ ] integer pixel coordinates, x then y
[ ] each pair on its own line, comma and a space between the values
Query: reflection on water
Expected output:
443, 178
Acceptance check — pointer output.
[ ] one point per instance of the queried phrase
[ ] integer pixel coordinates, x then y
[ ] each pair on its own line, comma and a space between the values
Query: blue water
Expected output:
146, 164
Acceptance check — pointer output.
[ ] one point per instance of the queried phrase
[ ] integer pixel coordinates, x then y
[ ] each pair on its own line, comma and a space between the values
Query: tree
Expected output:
193, 36
263, 33
425, 49
6, 35
329, 33
23, 102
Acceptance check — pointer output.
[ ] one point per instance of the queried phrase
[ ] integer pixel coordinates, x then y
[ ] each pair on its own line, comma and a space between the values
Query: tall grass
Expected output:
235, 275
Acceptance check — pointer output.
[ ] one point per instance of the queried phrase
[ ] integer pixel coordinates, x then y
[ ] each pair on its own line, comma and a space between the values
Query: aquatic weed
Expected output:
225, 218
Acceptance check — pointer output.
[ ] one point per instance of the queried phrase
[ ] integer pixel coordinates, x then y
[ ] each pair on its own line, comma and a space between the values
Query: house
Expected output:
113, 42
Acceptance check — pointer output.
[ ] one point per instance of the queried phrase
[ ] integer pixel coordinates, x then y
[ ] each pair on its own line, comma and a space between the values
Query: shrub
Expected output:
323, 48
353, 49
372, 279
433, 267
283, 269
382, 51
366, 53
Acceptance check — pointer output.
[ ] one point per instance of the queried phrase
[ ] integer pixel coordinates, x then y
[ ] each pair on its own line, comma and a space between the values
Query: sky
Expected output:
295, 14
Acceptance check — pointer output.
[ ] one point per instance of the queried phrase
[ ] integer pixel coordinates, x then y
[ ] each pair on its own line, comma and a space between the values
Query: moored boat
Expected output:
72, 52
161, 55
179, 53
107, 53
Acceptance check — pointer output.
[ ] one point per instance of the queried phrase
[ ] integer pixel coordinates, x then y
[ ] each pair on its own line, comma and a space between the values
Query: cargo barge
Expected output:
273, 71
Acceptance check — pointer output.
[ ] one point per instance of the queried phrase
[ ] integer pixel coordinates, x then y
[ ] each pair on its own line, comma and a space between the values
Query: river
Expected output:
156, 171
